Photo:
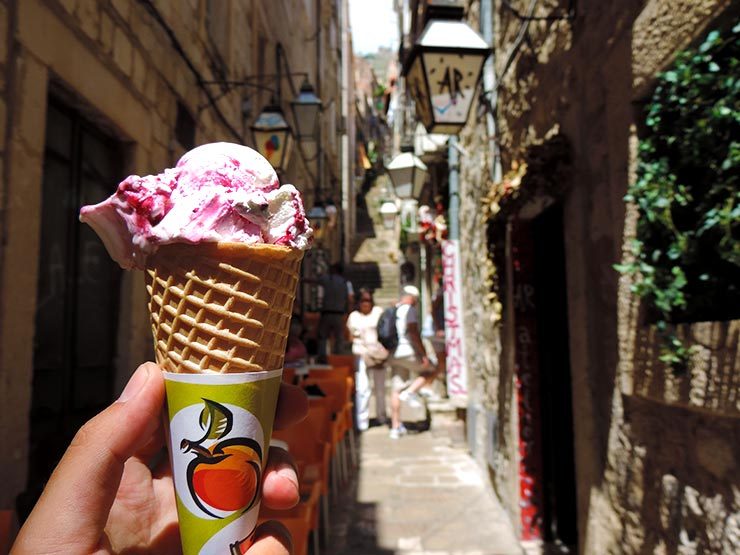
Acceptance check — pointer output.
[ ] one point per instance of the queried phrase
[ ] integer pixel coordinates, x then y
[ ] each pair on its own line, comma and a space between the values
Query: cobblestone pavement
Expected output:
419, 495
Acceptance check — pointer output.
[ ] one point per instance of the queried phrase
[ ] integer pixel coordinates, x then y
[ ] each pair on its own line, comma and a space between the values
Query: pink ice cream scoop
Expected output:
216, 192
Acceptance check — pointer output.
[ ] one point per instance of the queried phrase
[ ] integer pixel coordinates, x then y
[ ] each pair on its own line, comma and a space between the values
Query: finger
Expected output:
292, 406
153, 448
74, 507
271, 538
280, 486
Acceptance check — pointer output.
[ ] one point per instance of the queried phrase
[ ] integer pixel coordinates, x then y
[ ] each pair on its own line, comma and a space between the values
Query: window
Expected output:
184, 127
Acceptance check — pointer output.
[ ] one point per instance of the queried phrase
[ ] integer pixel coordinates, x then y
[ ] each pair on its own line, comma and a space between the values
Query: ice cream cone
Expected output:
221, 241
220, 315
221, 307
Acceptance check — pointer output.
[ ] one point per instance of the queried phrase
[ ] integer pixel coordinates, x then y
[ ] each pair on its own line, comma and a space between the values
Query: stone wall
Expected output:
126, 64
645, 481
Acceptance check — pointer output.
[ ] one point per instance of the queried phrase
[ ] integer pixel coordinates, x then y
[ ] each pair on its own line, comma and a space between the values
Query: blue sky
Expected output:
374, 24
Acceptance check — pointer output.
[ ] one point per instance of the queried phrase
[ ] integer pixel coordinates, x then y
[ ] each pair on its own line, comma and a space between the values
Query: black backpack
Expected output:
387, 332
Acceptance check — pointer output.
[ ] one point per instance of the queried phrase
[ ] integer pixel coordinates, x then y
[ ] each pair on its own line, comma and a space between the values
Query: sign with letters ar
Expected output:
442, 74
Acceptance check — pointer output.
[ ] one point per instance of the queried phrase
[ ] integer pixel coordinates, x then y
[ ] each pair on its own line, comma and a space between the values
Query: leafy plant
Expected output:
687, 191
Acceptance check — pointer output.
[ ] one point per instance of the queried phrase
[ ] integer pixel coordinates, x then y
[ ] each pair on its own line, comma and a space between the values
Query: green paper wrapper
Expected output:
219, 433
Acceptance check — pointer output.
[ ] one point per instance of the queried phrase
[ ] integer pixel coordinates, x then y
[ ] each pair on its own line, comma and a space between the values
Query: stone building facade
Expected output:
91, 92
591, 442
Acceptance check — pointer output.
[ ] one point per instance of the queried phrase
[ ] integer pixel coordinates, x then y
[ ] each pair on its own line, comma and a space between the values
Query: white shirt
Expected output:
405, 314
363, 328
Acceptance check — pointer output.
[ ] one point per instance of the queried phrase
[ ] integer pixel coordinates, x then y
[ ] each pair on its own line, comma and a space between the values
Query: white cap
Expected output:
411, 290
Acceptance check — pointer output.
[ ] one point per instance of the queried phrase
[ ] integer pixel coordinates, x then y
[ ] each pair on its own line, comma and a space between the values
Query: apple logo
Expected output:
225, 476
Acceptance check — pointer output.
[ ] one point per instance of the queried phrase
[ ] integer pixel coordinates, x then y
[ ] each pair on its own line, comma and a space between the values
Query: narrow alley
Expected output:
508, 229
421, 494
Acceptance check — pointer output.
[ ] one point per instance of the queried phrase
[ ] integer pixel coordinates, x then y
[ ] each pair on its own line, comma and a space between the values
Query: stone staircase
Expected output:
375, 252
382, 279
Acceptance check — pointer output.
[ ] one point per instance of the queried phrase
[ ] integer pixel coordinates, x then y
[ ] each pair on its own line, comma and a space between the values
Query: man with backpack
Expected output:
409, 359
337, 302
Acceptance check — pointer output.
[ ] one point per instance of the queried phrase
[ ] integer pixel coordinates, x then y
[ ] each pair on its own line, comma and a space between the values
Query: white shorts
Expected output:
403, 369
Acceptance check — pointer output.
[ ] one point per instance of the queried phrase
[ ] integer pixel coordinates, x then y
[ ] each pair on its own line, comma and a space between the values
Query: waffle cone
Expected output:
221, 307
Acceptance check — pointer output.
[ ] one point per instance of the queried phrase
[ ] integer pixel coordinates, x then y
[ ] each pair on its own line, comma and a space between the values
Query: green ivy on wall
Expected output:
687, 191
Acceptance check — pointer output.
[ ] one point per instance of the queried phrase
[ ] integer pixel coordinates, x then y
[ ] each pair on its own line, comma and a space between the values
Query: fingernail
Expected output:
135, 384
288, 471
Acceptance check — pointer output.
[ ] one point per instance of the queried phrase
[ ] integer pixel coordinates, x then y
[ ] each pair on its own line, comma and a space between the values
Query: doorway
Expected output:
556, 407
77, 293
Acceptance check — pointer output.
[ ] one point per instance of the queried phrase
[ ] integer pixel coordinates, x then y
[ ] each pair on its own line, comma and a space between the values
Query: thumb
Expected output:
74, 507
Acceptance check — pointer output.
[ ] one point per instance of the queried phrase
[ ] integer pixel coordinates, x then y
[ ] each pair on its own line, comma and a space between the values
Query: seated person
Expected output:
295, 350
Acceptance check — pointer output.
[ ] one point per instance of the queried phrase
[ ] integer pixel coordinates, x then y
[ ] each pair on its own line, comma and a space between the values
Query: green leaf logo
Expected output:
215, 419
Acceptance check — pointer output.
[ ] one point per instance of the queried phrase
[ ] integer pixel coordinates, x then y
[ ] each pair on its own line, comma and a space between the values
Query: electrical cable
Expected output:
152, 9
569, 15
517, 43
149, 6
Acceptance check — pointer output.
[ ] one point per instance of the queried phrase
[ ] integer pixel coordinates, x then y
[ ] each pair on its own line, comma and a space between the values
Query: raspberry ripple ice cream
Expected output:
218, 192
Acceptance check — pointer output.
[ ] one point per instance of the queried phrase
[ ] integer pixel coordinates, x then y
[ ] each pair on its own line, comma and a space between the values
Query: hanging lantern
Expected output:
442, 74
389, 211
317, 217
306, 107
409, 223
272, 137
408, 174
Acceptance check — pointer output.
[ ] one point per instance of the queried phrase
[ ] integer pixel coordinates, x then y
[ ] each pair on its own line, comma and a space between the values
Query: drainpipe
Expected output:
453, 225
489, 84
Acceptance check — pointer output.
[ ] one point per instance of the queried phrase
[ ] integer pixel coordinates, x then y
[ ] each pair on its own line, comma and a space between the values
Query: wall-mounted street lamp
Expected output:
408, 174
306, 107
318, 218
409, 219
389, 211
271, 133
272, 137
443, 69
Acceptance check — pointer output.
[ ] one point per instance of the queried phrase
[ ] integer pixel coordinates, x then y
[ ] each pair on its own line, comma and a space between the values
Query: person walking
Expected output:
370, 359
409, 360
338, 298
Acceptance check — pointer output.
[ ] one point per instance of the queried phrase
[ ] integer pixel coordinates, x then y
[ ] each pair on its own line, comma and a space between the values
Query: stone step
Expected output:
382, 279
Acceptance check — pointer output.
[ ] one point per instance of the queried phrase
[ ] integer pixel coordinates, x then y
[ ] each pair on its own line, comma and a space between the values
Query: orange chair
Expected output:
310, 452
347, 363
333, 389
289, 375
319, 416
339, 391
301, 520
312, 457
341, 360
344, 363
333, 372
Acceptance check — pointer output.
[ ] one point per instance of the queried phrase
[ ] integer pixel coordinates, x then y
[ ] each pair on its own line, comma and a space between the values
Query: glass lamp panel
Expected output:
388, 211
452, 80
272, 136
272, 145
306, 116
287, 151
420, 177
402, 179
404, 170
317, 217
409, 209
418, 87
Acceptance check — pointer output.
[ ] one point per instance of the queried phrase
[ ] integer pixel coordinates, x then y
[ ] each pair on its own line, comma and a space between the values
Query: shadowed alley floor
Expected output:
419, 495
